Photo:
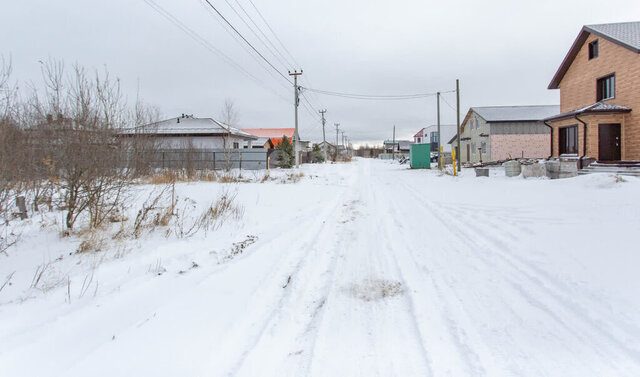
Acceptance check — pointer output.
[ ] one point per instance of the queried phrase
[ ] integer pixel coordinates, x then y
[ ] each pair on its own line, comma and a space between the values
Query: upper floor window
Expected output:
593, 49
606, 87
434, 137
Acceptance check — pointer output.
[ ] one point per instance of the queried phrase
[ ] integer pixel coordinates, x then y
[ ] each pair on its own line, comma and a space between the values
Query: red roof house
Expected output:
274, 134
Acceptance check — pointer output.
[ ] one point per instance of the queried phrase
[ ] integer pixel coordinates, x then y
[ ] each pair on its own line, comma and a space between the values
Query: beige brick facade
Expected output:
578, 89
519, 145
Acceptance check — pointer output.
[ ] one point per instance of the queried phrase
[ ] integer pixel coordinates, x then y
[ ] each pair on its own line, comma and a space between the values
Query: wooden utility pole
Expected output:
393, 143
438, 115
296, 102
458, 120
324, 140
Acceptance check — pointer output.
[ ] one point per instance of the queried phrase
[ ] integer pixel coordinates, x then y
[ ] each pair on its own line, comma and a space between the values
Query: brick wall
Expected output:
592, 133
578, 89
514, 145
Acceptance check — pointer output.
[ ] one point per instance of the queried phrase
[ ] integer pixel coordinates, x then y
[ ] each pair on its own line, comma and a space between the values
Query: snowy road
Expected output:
382, 272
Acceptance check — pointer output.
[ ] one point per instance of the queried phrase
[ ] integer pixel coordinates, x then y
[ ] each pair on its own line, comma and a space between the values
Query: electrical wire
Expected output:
448, 104
274, 33
246, 41
390, 97
269, 45
207, 45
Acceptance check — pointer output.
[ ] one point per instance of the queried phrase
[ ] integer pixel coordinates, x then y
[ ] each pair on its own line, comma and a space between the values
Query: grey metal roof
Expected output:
188, 126
598, 107
516, 113
625, 34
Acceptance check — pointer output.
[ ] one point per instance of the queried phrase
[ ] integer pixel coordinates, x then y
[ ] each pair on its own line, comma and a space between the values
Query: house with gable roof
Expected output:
495, 133
599, 83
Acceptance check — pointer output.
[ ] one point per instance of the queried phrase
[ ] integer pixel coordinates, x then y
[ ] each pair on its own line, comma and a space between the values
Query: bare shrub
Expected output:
214, 216
154, 212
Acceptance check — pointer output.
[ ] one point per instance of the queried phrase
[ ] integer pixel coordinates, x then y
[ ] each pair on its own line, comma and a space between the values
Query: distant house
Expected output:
331, 149
261, 142
599, 82
502, 132
398, 147
429, 135
189, 132
273, 134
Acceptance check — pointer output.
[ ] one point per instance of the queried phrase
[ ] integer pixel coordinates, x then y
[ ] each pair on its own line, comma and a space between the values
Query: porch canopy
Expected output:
593, 109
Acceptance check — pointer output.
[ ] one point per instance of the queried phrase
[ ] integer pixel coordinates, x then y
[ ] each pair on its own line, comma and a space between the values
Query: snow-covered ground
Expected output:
360, 269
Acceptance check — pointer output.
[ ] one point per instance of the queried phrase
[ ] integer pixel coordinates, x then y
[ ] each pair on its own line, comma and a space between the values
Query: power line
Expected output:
448, 104
375, 96
207, 45
251, 29
247, 42
273, 32
281, 57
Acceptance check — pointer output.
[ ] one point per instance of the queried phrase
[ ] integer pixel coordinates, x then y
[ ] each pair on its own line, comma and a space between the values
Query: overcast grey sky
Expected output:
503, 52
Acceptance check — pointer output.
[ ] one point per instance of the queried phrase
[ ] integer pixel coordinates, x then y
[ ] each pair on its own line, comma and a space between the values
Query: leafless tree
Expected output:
230, 119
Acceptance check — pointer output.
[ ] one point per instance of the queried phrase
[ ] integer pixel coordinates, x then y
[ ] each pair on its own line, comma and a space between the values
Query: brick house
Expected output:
496, 133
599, 82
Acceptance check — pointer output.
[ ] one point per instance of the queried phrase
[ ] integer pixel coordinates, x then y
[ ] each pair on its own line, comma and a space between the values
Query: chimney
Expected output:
178, 119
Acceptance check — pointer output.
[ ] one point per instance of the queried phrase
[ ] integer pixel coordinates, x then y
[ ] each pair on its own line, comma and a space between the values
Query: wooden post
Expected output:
22, 207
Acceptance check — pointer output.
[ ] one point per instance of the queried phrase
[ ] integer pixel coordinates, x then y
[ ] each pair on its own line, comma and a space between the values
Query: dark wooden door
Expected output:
609, 142
468, 152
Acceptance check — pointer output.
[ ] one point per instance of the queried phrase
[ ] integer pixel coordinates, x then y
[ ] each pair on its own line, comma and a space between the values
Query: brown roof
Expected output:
596, 108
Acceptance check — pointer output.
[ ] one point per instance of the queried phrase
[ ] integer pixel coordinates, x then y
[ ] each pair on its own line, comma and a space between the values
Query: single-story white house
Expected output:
189, 132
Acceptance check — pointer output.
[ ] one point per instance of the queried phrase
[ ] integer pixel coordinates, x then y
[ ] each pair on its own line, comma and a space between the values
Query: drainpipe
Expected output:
584, 142
551, 141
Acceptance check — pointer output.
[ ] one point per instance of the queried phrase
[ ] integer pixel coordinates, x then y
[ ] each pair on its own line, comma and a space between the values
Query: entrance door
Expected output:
468, 152
609, 142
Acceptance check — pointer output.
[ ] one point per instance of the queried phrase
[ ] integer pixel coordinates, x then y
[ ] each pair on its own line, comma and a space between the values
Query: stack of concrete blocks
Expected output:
534, 171
512, 168
482, 172
561, 169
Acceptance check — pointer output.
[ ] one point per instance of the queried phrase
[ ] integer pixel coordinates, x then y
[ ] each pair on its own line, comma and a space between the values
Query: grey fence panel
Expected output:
210, 159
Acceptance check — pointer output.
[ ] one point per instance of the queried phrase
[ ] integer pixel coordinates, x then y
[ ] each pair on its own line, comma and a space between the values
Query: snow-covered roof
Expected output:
187, 125
516, 113
598, 107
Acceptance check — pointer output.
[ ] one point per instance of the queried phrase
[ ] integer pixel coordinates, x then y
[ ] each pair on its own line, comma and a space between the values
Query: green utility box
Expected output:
421, 156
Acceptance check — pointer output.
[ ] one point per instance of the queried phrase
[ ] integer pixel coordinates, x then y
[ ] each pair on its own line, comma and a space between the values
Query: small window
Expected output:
606, 87
569, 140
236, 145
593, 49
484, 147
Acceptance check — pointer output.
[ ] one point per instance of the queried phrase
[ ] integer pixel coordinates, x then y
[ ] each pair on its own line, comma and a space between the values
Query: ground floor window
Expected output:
484, 147
568, 140
236, 145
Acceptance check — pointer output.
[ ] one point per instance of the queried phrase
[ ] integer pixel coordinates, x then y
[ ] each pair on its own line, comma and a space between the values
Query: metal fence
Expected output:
210, 159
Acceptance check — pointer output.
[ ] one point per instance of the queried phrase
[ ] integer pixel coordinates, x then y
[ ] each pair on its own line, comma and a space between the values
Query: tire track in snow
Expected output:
468, 359
371, 337
267, 322
296, 254
580, 325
